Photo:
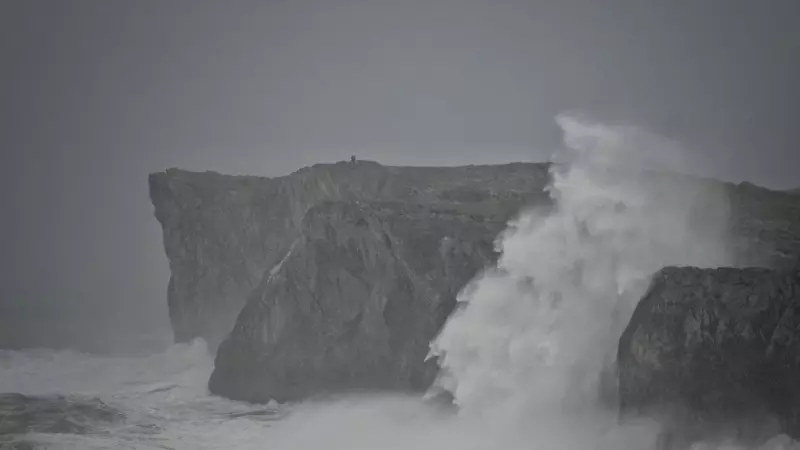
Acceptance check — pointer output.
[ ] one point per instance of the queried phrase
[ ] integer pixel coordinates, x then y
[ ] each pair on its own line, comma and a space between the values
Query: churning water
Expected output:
526, 355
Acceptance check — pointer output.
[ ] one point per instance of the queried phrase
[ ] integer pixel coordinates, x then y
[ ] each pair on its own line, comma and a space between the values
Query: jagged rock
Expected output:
22, 414
223, 233
348, 269
715, 352
356, 302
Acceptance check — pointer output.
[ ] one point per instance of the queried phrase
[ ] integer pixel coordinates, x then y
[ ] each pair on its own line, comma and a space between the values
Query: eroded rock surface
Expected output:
715, 352
337, 276
223, 233
357, 301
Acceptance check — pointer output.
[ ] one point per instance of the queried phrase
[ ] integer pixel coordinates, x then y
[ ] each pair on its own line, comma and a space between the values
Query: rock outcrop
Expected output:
337, 276
223, 233
715, 353
356, 302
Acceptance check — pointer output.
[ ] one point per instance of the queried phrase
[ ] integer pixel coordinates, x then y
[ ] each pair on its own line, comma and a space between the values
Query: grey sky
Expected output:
96, 94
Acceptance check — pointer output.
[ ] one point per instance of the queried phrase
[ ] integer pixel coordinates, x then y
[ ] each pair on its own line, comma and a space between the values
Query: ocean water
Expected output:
167, 405
164, 397
526, 355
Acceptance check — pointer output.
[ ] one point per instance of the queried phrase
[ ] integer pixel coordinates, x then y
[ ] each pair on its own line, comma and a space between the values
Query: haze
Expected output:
94, 95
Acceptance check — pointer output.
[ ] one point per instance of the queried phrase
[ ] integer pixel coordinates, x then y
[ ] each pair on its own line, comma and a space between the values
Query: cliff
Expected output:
223, 233
714, 353
356, 302
336, 277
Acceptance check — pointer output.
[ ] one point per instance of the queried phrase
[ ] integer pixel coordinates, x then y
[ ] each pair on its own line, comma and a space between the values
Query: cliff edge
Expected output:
335, 278
356, 302
222, 233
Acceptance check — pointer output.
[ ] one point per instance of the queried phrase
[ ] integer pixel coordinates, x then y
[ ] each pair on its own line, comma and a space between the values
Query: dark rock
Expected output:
21, 414
356, 302
715, 353
336, 277
223, 233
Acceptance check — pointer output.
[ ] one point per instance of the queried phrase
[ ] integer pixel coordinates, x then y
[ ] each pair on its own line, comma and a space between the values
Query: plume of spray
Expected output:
534, 337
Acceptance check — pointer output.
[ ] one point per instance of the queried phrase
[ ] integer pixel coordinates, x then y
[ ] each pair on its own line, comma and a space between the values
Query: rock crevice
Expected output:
222, 233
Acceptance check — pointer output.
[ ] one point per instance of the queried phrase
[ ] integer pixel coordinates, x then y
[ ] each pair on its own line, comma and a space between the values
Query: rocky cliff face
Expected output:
356, 302
715, 351
222, 234
337, 276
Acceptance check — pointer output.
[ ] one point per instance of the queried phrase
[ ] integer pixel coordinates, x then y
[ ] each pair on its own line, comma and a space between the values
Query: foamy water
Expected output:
167, 406
164, 397
537, 331
524, 356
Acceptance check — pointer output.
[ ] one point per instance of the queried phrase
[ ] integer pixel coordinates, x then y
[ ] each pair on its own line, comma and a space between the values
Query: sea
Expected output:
525, 355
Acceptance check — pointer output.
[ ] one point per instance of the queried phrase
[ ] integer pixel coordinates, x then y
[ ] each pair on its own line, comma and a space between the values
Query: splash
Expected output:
536, 335
525, 357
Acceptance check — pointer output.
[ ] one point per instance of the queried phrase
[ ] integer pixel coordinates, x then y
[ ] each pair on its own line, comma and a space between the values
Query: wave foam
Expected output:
535, 335
524, 356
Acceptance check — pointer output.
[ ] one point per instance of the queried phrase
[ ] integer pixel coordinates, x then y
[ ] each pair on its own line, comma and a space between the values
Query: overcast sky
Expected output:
94, 94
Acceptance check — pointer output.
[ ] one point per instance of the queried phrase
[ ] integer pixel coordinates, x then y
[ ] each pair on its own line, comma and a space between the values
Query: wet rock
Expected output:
223, 233
715, 353
355, 304
337, 276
